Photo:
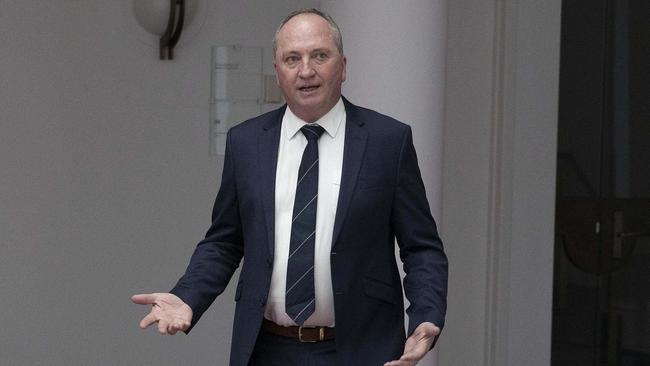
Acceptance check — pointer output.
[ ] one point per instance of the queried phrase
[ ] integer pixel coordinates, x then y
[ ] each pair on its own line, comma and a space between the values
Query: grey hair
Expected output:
334, 28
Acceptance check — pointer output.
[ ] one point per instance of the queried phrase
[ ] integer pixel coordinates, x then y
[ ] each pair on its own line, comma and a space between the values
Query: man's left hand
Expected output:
417, 345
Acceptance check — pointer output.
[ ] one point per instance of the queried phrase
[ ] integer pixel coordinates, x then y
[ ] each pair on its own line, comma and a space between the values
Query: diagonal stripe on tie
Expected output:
305, 308
301, 244
304, 208
301, 277
304, 175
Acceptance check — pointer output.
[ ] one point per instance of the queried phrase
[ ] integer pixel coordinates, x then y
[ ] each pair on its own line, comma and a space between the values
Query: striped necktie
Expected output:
300, 298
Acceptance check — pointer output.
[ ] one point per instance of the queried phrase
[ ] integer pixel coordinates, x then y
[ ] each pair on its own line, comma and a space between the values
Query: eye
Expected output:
291, 60
321, 56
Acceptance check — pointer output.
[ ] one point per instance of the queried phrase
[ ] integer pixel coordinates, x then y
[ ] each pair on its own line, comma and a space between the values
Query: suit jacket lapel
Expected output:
268, 143
355, 146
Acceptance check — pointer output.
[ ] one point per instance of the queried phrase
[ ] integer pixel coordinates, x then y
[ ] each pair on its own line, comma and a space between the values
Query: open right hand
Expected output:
169, 311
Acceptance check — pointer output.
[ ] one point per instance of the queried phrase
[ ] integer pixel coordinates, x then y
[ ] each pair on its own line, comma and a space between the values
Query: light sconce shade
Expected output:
163, 18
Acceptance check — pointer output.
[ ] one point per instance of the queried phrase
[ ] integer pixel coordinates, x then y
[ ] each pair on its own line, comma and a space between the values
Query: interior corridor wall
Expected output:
106, 183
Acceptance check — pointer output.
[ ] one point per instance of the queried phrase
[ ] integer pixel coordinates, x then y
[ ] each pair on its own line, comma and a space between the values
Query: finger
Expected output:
148, 320
144, 299
399, 363
162, 326
178, 325
182, 326
172, 329
416, 353
411, 356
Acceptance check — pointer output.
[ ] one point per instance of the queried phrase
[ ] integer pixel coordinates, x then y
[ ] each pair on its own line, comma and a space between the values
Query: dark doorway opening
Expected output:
601, 283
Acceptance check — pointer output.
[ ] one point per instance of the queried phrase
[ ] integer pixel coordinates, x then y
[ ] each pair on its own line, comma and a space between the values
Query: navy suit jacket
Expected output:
381, 198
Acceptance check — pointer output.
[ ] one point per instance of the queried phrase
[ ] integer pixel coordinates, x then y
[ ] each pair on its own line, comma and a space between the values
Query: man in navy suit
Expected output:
313, 196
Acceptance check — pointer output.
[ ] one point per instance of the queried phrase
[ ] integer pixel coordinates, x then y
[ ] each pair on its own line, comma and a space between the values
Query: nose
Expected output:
306, 69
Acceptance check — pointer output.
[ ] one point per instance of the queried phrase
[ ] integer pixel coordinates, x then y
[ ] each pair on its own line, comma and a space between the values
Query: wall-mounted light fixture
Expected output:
164, 18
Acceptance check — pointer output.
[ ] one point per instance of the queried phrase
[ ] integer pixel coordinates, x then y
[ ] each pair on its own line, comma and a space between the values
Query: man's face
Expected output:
308, 66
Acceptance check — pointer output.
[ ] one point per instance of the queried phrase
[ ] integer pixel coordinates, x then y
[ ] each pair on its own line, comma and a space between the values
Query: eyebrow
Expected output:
293, 52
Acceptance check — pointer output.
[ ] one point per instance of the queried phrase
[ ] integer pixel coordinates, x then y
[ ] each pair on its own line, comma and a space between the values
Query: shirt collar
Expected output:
330, 121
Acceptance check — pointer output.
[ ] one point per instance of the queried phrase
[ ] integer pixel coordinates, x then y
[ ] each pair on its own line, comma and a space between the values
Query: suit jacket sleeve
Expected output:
421, 250
216, 257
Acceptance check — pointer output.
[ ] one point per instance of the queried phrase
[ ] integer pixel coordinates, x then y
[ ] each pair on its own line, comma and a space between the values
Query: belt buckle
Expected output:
321, 334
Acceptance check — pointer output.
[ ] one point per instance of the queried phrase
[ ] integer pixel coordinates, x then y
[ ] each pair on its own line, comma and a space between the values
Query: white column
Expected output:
396, 63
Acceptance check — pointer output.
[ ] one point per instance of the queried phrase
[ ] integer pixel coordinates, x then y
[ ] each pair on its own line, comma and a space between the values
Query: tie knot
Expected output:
312, 132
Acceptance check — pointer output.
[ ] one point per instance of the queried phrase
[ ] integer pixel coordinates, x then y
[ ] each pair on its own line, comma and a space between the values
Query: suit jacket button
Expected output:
262, 301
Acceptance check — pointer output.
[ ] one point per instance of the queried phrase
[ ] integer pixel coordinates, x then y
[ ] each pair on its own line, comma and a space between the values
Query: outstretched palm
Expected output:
168, 310
417, 345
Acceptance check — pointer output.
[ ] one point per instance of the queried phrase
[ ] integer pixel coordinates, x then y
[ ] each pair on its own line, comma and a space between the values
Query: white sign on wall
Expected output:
239, 90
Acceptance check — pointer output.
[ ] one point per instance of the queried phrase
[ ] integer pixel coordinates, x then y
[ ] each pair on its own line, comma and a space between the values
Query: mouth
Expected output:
308, 88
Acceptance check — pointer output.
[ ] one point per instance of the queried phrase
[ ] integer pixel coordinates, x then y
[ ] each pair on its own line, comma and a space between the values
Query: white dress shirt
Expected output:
330, 161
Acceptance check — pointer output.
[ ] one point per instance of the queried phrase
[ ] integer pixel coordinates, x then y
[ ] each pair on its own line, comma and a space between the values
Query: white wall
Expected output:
465, 209
533, 103
106, 181
499, 180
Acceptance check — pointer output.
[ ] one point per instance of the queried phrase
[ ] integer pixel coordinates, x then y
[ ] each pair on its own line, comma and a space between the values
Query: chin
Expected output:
309, 105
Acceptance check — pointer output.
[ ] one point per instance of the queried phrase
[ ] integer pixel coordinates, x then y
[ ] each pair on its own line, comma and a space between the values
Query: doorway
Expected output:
601, 282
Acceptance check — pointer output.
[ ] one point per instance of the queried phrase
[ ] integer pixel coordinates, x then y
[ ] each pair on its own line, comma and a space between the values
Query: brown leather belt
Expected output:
303, 334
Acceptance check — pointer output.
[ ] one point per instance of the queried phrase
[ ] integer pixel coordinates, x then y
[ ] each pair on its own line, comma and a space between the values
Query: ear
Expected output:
275, 67
345, 62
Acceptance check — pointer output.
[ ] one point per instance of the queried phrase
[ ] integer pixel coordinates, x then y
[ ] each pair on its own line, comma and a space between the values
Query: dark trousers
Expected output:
275, 350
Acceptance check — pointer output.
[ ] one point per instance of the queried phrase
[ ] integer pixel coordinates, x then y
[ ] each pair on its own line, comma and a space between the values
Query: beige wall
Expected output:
499, 180
106, 181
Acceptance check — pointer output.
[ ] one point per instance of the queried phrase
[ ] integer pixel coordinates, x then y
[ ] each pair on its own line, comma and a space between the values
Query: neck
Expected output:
311, 116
